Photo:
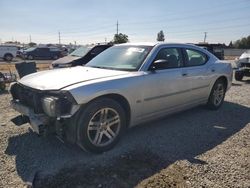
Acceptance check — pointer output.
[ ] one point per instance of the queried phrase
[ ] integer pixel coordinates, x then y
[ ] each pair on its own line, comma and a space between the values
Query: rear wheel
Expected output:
238, 76
100, 125
217, 95
8, 57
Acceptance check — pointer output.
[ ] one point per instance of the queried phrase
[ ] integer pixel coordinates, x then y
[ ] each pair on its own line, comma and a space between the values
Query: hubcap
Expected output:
104, 126
218, 94
8, 58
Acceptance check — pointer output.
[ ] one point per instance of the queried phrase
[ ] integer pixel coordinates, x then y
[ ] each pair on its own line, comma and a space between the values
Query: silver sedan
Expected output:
124, 86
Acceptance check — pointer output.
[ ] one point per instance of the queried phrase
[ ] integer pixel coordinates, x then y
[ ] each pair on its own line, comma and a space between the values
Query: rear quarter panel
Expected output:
222, 68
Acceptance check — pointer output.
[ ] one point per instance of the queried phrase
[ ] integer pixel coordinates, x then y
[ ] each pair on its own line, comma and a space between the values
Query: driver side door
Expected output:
166, 89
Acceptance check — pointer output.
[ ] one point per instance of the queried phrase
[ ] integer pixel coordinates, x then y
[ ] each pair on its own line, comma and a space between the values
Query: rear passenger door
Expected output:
197, 73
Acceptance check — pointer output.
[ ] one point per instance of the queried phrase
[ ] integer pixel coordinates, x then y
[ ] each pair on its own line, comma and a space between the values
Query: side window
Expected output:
172, 57
195, 58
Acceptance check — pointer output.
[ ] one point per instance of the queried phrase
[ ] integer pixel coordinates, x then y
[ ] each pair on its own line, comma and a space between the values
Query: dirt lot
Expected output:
195, 148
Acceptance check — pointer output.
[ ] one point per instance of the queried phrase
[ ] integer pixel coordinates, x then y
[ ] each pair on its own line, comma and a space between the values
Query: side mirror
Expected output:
159, 64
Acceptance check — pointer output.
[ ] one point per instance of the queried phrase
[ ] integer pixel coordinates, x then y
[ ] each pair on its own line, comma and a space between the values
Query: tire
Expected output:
8, 57
238, 76
217, 95
30, 57
97, 134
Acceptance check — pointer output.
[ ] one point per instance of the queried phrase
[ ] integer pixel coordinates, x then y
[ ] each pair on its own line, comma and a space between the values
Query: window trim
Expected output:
186, 59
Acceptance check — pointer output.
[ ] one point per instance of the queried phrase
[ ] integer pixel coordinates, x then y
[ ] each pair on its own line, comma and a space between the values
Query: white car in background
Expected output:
243, 66
8, 52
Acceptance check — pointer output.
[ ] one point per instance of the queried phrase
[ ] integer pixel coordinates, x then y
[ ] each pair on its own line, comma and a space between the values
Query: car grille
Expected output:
245, 65
28, 97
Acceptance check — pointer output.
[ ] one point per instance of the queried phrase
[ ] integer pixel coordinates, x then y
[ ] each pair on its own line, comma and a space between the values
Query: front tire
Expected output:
217, 95
100, 125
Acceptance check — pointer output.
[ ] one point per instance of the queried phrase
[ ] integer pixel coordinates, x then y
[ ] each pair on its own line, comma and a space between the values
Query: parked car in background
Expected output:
80, 56
243, 66
126, 85
215, 49
8, 52
42, 53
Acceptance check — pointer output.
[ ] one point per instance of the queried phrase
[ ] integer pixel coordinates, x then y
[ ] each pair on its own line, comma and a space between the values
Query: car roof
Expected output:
156, 43
137, 44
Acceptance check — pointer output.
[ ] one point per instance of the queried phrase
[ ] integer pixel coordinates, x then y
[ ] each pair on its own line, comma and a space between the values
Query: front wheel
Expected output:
100, 125
217, 95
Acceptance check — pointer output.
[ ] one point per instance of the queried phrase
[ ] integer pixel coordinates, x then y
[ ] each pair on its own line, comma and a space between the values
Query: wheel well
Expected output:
8, 54
224, 79
122, 101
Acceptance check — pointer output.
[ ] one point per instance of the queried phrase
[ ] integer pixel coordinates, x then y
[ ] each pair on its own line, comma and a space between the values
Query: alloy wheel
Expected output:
103, 127
218, 94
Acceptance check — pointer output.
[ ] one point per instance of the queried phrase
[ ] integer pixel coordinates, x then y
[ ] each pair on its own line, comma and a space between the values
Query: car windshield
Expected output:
128, 58
82, 51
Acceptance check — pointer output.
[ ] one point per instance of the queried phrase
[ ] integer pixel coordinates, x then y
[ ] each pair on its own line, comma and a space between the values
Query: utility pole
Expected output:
117, 27
30, 38
59, 37
205, 36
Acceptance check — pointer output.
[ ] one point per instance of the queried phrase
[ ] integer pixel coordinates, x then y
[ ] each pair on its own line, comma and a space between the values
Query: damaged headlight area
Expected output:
61, 105
50, 106
54, 104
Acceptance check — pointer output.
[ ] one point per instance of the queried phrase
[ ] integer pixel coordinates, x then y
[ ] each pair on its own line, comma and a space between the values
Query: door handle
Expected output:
213, 70
184, 74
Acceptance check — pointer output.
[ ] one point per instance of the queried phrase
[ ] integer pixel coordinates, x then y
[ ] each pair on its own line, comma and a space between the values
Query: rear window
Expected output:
195, 58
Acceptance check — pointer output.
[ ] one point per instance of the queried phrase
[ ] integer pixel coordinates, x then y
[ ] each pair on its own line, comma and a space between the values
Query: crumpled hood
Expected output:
59, 78
66, 59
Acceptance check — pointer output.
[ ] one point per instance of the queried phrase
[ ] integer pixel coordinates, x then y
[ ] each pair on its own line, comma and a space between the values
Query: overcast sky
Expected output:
91, 21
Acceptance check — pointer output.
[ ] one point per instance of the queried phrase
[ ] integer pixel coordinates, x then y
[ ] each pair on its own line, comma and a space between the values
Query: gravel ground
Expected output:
195, 148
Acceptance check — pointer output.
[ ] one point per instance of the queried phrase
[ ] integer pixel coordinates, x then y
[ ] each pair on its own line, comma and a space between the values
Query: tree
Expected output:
160, 36
230, 44
242, 43
32, 44
120, 38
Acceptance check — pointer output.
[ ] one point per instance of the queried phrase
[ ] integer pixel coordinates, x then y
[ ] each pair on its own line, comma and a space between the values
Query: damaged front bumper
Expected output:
37, 121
